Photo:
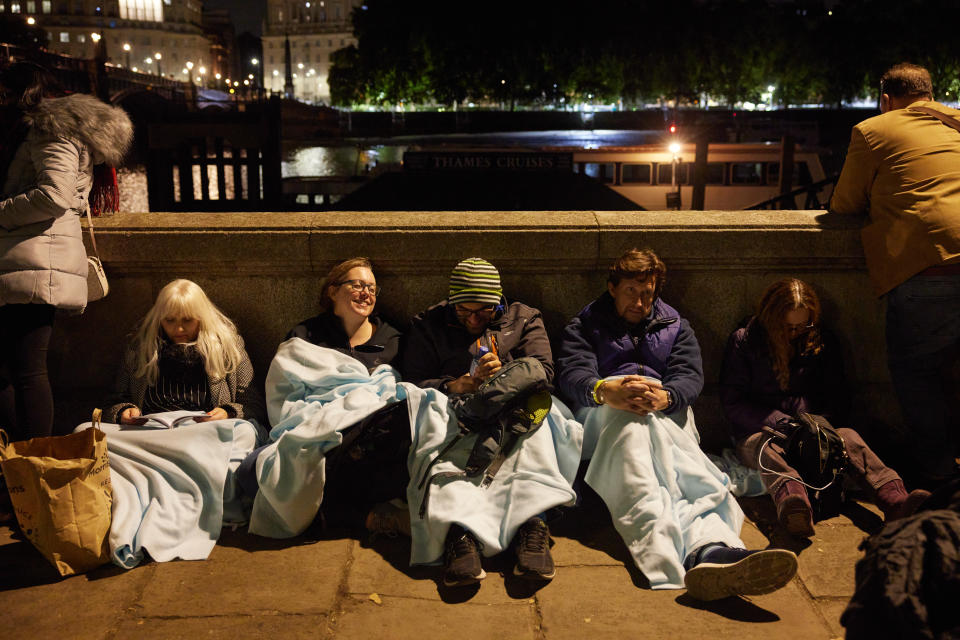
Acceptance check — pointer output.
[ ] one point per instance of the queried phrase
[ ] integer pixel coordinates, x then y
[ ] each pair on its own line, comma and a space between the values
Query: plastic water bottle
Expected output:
481, 351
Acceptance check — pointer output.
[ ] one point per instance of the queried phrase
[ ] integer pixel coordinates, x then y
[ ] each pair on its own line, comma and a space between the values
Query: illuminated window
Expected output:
64, 36
81, 37
31, 6
3, 7
146, 10
45, 6
14, 7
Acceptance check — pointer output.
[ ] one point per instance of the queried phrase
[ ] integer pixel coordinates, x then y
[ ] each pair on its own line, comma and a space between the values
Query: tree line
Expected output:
541, 53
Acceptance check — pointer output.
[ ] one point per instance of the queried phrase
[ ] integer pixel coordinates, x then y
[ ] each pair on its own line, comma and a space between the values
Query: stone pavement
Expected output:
334, 585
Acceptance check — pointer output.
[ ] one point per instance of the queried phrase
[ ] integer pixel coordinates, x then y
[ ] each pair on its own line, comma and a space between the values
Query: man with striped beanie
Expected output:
441, 353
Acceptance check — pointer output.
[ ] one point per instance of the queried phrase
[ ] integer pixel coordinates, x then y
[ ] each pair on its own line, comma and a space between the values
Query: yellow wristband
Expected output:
597, 395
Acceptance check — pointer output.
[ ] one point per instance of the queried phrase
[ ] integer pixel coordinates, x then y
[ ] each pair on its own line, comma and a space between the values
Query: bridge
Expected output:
109, 82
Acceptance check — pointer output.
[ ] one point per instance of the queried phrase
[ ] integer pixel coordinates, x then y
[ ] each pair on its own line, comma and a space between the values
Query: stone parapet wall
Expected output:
264, 271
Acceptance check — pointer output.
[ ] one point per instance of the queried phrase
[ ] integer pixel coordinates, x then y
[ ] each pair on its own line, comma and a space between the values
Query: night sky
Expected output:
247, 15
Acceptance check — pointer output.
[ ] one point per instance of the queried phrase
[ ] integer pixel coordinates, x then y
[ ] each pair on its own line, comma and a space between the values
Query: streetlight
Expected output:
126, 52
675, 181
254, 61
202, 71
31, 21
157, 57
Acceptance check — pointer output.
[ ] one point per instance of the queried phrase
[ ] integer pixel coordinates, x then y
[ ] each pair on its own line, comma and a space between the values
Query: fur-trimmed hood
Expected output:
105, 130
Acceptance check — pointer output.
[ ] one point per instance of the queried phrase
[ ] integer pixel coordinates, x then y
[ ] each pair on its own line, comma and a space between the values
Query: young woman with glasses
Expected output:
779, 363
347, 321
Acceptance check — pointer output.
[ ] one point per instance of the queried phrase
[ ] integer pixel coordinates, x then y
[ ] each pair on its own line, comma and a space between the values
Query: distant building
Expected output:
219, 31
149, 36
249, 59
316, 29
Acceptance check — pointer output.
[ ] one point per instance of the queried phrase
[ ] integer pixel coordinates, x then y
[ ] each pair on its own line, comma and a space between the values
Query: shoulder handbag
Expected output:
97, 285
811, 446
817, 452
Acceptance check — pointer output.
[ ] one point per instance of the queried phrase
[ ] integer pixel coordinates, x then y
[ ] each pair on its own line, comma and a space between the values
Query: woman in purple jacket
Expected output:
779, 363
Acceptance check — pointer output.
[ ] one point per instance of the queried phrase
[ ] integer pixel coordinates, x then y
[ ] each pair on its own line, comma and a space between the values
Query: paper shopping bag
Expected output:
61, 493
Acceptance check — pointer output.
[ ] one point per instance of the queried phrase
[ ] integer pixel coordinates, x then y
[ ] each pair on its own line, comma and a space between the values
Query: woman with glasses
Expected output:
366, 475
346, 321
779, 363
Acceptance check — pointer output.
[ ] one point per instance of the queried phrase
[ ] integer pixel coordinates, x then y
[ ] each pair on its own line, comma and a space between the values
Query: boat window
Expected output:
801, 174
715, 173
636, 174
602, 171
665, 173
746, 173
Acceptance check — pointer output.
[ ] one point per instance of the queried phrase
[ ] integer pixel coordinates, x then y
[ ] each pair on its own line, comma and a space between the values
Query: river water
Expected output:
361, 155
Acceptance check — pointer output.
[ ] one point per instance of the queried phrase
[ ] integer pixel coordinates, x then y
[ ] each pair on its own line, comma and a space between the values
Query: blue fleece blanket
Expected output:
538, 475
665, 496
170, 487
314, 393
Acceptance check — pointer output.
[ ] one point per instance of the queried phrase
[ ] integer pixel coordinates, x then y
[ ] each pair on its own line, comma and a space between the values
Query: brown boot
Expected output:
793, 509
896, 503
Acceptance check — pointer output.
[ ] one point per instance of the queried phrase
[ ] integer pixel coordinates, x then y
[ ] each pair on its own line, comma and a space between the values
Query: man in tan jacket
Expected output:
903, 169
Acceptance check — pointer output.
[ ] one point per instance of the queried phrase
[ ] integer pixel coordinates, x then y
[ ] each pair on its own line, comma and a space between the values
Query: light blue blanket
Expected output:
536, 476
665, 496
170, 487
313, 393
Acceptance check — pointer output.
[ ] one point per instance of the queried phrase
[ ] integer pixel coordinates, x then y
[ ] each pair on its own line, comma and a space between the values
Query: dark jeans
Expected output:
923, 340
26, 400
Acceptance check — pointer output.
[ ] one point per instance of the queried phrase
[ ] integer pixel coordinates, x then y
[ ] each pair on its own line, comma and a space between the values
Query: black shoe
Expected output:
462, 559
532, 546
724, 572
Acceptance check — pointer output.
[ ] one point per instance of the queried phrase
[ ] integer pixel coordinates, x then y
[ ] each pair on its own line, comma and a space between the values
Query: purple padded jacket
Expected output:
598, 343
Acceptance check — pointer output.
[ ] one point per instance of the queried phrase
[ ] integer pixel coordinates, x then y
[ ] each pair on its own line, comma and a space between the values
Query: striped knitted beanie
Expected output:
475, 280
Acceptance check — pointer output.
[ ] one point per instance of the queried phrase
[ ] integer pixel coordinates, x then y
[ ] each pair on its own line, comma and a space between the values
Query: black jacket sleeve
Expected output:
420, 361
535, 343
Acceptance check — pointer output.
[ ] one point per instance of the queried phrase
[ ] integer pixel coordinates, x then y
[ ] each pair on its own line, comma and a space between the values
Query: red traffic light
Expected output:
673, 128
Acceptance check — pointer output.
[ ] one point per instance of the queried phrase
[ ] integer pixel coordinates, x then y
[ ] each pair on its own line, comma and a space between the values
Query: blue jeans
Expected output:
923, 341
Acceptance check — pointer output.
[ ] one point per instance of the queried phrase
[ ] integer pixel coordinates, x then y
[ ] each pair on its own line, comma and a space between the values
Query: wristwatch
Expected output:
669, 400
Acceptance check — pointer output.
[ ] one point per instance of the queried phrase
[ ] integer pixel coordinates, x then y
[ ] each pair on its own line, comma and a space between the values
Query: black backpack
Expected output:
507, 406
814, 448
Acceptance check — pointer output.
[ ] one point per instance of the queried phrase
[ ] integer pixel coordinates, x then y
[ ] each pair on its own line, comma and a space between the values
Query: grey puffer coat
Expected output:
42, 258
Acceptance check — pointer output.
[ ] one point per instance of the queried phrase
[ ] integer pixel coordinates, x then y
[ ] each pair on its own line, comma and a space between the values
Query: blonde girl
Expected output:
185, 355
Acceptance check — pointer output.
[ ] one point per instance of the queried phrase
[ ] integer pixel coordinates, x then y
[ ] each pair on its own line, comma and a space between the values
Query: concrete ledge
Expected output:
264, 270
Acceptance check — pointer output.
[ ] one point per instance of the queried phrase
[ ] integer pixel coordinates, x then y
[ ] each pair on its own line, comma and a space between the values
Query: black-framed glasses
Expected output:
356, 286
482, 312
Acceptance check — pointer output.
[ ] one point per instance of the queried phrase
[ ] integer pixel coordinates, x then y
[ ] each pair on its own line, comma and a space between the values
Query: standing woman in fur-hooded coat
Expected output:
50, 144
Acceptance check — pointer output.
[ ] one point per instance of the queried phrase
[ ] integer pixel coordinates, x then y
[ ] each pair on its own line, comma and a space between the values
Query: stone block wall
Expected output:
264, 271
